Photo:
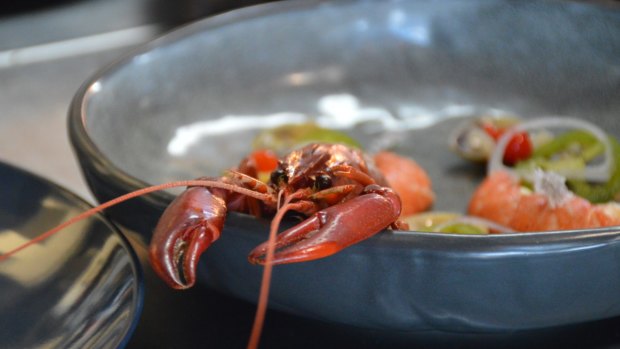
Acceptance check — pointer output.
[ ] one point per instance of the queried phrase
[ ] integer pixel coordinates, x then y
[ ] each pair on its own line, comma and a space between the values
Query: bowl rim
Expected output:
81, 204
126, 182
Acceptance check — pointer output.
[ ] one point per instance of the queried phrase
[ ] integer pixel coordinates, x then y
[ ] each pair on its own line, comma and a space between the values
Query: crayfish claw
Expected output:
333, 229
298, 244
190, 224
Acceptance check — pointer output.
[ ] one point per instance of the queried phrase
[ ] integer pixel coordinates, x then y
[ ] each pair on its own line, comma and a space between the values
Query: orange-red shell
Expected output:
500, 198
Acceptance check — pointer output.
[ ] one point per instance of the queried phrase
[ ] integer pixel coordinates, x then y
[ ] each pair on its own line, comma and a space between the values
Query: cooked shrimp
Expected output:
502, 199
547, 204
408, 179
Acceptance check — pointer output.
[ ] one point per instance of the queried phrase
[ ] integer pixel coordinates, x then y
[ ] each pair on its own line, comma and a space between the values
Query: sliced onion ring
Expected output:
595, 173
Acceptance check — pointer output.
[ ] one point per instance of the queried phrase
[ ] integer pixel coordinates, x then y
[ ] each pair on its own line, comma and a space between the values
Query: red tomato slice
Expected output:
266, 160
519, 148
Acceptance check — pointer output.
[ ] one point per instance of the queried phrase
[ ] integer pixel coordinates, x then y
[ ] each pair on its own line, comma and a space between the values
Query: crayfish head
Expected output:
306, 168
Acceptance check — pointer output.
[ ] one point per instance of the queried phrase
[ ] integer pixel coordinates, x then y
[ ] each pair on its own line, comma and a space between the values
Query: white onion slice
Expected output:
595, 173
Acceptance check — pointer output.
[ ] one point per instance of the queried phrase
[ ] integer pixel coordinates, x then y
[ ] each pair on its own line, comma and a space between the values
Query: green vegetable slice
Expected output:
587, 139
288, 137
463, 228
569, 151
572, 151
601, 192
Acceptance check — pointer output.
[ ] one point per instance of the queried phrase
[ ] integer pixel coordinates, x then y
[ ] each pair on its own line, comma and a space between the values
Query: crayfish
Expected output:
342, 192
346, 197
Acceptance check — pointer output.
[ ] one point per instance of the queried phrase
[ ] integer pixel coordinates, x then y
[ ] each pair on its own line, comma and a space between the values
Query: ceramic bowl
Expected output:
392, 73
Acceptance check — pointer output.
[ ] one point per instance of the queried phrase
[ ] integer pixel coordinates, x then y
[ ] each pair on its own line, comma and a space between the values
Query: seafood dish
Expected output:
345, 195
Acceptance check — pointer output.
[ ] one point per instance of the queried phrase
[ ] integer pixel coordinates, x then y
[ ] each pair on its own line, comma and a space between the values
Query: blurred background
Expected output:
49, 47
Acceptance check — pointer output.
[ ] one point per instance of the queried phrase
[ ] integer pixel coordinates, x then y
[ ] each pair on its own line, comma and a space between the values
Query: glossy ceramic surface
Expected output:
81, 288
400, 74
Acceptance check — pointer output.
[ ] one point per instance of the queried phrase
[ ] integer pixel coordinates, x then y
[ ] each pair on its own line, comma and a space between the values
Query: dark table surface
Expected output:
36, 86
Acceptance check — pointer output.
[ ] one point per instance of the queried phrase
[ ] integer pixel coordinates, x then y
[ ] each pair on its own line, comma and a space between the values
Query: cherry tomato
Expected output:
519, 147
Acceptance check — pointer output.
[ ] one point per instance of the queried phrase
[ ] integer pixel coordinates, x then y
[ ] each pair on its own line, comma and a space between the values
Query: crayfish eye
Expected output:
278, 176
323, 182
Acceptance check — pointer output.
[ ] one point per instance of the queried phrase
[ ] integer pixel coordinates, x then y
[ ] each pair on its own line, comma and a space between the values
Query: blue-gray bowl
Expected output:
410, 69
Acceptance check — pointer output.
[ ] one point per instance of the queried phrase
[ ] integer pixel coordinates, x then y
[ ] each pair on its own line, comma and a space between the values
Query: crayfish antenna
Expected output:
129, 196
89, 213
263, 297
